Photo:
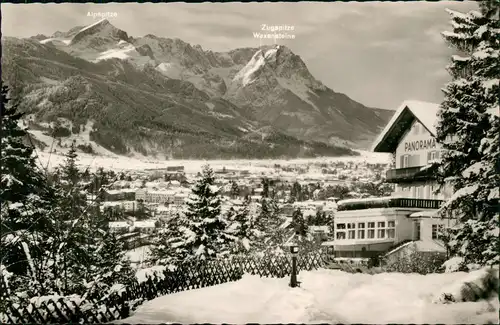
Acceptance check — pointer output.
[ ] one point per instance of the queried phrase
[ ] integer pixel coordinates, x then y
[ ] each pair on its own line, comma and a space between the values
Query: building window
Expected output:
433, 155
437, 231
361, 234
340, 235
371, 224
341, 226
413, 160
416, 228
381, 224
352, 234
427, 191
380, 233
361, 225
391, 231
418, 192
371, 233
405, 159
351, 225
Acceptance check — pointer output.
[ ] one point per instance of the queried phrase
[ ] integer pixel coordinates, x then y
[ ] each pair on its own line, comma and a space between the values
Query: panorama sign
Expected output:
420, 145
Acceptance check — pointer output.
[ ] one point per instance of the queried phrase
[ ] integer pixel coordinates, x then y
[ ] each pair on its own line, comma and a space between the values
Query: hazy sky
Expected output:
377, 53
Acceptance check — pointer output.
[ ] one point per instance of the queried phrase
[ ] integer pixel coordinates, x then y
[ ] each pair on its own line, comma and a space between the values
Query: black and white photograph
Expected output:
250, 162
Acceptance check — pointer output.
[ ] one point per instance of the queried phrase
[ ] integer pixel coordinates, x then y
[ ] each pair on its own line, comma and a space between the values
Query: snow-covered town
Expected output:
218, 215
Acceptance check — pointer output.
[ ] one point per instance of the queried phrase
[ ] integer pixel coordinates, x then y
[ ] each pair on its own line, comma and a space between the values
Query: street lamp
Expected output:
294, 250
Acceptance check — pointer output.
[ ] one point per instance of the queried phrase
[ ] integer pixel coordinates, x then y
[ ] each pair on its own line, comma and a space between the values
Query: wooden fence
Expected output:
192, 275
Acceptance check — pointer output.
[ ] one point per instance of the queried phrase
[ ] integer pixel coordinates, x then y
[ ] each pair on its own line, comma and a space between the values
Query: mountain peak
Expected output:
102, 29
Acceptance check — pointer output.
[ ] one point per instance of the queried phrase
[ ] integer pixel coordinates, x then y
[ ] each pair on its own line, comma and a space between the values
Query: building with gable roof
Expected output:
374, 226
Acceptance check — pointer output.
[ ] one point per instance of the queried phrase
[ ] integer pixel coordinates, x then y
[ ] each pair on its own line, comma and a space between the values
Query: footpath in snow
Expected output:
325, 296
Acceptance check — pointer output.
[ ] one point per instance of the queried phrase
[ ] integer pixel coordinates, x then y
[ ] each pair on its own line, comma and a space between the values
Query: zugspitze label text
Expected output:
276, 28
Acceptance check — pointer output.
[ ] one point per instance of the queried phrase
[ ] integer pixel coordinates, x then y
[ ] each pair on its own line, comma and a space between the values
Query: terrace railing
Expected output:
390, 203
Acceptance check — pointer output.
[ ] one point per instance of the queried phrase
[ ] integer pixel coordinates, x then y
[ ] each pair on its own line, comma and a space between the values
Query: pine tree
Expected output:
296, 192
469, 132
25, 201
264, 216
109, 266
299, 223
168, 248
265, 187
205, 227
235, 190
243, 230
70, 180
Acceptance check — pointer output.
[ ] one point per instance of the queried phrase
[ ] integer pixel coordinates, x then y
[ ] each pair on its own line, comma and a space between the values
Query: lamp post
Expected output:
294, 249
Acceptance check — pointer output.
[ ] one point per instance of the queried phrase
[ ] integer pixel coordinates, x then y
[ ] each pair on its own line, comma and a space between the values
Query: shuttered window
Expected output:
414, 161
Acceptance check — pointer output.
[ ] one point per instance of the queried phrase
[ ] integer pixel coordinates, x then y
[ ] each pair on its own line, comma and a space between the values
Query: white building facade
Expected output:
374, 226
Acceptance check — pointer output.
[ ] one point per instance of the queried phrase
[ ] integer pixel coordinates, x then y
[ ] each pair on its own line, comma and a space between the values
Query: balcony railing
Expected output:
389, 203
408, 174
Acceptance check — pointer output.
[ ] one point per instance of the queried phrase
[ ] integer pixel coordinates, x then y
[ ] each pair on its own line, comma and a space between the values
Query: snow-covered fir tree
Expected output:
25, 198
235, 190
89, 257
110, 266
267, 224
242, 229
204, 232
168, 247
469, 132
299, 223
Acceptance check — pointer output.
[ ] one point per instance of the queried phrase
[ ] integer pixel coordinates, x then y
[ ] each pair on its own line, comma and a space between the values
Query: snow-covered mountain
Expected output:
264, 92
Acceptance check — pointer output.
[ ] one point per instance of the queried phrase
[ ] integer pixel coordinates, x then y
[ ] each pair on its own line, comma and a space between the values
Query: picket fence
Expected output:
186, 276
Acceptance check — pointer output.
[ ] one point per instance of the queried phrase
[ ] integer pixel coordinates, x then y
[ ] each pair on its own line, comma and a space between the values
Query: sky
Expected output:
379, 54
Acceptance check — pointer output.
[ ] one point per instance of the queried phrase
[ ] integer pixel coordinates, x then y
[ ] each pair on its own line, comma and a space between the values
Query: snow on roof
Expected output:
118, 224
424, 112
429, 246
287, 222
162, 192
399, 248
424, 214
325, 229
144, 224
373, 199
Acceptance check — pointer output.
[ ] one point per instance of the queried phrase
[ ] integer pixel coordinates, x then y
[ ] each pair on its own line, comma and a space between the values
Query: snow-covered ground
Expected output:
325, 296
108, 160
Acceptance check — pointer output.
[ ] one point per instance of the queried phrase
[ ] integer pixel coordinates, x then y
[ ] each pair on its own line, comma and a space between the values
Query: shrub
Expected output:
476, 285
60, 131
87, 148
417, 262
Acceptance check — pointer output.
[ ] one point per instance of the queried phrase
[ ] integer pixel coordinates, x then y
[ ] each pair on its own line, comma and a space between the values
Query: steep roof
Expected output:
410, 110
